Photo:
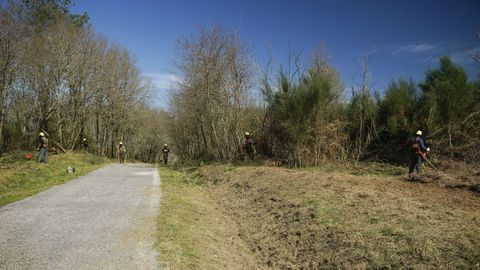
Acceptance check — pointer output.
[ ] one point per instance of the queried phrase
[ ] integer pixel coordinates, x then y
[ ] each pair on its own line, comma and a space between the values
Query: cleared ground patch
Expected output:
301, 219
20, 178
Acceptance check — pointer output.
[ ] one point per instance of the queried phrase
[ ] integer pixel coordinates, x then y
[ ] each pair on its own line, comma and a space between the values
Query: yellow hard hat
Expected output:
419, 132
247, 134
84, 139
120, 143
41, 134
165, 145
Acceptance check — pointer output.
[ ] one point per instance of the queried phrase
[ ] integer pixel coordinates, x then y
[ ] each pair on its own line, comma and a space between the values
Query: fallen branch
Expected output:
59, 146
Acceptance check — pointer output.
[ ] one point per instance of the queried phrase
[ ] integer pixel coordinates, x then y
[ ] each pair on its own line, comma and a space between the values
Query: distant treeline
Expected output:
303, 117
59, 76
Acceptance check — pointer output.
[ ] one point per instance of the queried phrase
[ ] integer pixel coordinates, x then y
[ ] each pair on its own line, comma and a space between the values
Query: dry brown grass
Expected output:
295, 219
453, 174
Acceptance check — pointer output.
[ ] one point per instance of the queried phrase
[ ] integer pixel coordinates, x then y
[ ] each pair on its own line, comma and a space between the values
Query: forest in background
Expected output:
303, 118
59, 76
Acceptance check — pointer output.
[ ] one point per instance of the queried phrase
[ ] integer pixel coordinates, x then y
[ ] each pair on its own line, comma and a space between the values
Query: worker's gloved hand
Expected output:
428, 149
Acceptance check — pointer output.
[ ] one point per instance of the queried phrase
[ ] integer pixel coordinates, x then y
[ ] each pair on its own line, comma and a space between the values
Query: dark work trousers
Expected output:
42, 155
415, 163
165, 159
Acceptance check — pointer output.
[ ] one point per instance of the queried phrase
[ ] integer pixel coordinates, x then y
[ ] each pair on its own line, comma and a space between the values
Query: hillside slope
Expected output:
299, 219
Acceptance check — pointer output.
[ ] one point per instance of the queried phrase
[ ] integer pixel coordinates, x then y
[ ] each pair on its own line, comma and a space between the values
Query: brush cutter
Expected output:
438, 171
430, 163
424, 157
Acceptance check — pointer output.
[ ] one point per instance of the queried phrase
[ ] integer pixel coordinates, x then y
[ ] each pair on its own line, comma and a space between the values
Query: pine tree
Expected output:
448, 96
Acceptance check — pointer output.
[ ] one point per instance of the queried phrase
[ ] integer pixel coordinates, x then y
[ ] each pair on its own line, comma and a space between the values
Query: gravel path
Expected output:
103, 220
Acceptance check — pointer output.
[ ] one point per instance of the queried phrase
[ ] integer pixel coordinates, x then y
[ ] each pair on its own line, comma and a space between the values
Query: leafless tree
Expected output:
209, 102
12, 33
63, 78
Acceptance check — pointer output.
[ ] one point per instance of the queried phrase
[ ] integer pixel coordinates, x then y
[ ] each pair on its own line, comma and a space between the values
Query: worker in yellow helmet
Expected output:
248, 146
42, 148
85, 144
419, 151
121, 152
165, 153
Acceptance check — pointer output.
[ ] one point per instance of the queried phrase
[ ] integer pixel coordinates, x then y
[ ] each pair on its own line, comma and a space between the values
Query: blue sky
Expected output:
406, 37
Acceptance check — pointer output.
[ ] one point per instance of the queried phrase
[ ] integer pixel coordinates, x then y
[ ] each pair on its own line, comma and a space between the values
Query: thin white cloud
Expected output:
465, 57
163, 80
414, 48
473, 51
160, 85
462, 56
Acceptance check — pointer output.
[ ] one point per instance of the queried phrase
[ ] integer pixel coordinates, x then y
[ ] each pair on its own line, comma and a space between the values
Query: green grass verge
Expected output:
21, 178
177, 222
192, 232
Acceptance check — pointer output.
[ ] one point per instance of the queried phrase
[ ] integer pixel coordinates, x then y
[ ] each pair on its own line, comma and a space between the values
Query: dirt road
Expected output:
103, 220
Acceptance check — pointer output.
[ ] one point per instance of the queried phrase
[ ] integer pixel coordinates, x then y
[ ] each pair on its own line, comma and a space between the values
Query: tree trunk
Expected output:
97, 135
450, 139
2, 117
